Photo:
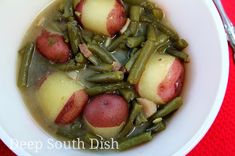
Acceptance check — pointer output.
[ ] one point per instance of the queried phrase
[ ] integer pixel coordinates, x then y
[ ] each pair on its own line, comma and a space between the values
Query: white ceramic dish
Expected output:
207, 74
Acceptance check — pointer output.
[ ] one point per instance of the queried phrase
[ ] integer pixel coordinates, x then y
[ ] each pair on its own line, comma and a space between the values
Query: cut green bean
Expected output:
25, 64
68, 8
73, 36
87, 36
151, 33
70, 66
94, 60
109, 77
104, 55
128, 94
134, 141
102, 68
160, 126
79, 58
181, 55
139, 65
133, 42
180, 45
98, 39
142, 29
117, 42
169, 108
135, 13
132, 60
162, 38
140, 119
134, 2
158, 13
137, 108
165, 29
132, 29
106, 88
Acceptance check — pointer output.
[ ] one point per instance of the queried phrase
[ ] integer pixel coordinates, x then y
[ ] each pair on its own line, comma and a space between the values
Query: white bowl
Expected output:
207, 74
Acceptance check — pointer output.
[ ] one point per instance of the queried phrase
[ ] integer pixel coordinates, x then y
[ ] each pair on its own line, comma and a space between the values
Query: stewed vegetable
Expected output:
103, 69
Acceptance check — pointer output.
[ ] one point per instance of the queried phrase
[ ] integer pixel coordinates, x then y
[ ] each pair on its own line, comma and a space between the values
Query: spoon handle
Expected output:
228, 25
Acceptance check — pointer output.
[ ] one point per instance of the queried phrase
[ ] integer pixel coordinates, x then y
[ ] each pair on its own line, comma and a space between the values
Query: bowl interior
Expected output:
206, 79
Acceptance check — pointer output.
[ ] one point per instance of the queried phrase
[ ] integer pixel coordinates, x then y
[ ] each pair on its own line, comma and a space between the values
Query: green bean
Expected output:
87, 36
151, 33
158, 13
165, 29
117, 42
102, 67
108, 42
87, 138
68, 8
142, 29
134, 2
94, 60
180, 45
25, 64
140, 119
160, 126
104, 55
73, 36
132, 29
135, 13
128, 94
133, 42
169, 108
132, 60
79, 58
148, 5
106, 88
70, 66
137, 108
107, 77
134, 141
162, 38
139, 65
181, 55
98, 39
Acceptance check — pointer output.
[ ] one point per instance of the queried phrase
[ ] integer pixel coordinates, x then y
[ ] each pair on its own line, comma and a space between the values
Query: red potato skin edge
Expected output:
79, 8
72, 108
107, 110
116, 18
172, 85
53, 47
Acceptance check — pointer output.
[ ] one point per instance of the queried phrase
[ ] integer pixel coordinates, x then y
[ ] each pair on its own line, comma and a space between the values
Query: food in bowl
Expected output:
115, 72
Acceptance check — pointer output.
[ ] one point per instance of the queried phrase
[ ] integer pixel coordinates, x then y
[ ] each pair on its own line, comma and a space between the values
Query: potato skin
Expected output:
72, 108
116, 19
53, 47
172, 85
107, 110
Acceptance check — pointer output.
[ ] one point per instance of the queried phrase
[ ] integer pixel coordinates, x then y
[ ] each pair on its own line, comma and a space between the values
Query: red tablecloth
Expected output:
220, 139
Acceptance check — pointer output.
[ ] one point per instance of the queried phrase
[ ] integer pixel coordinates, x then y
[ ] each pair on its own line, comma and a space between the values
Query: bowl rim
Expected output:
185, 149
198, 136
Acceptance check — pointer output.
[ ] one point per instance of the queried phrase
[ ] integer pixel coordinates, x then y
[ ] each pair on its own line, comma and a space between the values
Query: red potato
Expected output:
106, 17
73, 108
53, 47
162, 79
106, 115
60, 98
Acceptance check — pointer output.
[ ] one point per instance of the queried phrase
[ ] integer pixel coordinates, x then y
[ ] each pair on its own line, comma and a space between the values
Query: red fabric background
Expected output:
220, 139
